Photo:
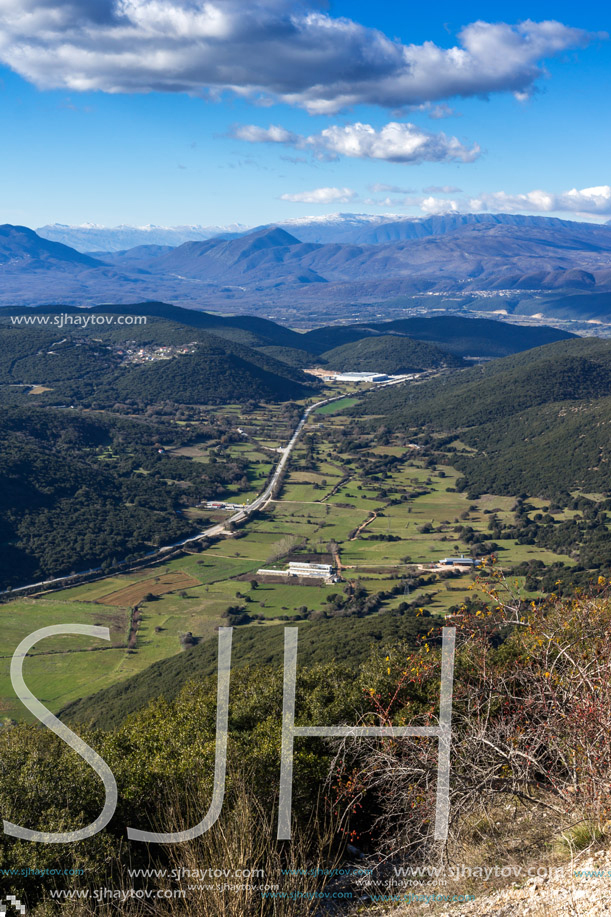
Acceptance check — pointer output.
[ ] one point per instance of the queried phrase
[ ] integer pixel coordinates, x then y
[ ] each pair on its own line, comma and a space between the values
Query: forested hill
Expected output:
389, 353
219, 372
70, 497
456, 334
568, 370
538, 422
91, 369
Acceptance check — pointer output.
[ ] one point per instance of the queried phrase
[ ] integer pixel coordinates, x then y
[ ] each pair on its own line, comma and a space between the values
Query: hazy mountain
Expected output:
530, 265
22, 249
339, 227
353, 228
90, 238
137, 257
268, 255
367, 229
469, 253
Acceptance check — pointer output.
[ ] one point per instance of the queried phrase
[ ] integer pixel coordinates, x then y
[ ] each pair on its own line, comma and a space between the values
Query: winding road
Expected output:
219, 529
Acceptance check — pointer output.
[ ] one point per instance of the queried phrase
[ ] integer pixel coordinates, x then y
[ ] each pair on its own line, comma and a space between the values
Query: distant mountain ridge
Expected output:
470, 253
272, 271
362, 229
352, 228
90, 238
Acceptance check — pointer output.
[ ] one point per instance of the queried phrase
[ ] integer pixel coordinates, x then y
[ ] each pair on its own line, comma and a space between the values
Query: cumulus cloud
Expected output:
394, 142
587, 200
435, 205
268, 50
321, 196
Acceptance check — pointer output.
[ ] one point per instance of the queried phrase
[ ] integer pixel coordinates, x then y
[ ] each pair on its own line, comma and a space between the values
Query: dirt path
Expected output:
374, 515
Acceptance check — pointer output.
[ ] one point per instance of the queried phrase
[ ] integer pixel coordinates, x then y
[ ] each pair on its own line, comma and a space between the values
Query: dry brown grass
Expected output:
156, 585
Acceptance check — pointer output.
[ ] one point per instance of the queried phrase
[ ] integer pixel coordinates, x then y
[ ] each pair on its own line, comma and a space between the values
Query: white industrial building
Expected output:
362, 377
301, 569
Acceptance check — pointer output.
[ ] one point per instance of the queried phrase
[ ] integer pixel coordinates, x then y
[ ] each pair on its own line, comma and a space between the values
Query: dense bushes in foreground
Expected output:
531, 718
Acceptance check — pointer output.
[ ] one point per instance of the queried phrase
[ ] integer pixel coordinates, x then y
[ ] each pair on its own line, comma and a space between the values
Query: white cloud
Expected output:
266, 50
394, 142
435, 205
321, 196
587, 200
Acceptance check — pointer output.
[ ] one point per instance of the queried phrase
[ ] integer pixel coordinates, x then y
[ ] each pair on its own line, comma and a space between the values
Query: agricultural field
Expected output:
381, 508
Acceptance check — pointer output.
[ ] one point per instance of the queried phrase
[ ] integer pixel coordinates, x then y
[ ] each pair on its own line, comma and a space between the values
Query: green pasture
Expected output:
60, 667
336, 406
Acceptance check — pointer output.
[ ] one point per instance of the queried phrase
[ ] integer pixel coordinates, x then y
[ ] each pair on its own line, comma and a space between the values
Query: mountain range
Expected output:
353, 228
490, 262
334, 227
89, 237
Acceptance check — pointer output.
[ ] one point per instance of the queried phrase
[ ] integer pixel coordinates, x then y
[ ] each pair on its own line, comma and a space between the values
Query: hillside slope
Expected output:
90, 367
62, 508
389, 353
319, 642
517, 416
218, 372
464, 337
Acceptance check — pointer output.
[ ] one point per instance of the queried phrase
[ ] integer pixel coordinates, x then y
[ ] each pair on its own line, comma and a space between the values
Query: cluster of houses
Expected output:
135, 353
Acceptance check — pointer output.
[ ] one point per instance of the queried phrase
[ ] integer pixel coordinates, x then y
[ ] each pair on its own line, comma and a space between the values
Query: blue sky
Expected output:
159, 111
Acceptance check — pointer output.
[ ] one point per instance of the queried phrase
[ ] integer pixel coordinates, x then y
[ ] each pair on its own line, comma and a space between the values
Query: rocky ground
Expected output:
579, 889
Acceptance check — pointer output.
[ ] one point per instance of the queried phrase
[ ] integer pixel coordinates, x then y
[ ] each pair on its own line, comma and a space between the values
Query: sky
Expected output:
187, 112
